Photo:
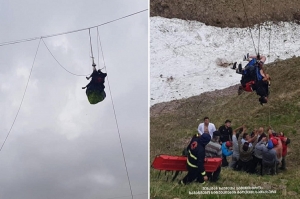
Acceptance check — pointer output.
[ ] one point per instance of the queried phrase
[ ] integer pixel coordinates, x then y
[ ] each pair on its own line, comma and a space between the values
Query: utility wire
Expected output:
59, 62
249, 26
91, 46
22, 97
116, 119
259, 25
98, 35
68, 32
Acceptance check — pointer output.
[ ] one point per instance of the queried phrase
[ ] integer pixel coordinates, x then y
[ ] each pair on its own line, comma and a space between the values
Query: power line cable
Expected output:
68, 32
22, 97
120, 139
59, 62
259, 25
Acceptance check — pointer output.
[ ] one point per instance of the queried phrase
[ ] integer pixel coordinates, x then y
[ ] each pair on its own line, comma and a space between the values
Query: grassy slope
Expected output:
170, 130
227, 13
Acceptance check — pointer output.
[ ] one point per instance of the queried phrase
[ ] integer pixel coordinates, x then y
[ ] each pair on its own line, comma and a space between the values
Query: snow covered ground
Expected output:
184, 54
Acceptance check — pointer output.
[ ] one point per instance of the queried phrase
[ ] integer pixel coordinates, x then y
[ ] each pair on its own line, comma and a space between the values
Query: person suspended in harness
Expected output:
195, 159
97, 78
254, 77
95, 88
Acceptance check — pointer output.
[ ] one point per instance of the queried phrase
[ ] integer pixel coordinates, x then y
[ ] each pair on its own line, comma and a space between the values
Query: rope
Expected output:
116, 121
23, 96
98, 47
101, 49
91, 46
249, 26
270, 39
269, 114
68, 32
259, 25
58, 61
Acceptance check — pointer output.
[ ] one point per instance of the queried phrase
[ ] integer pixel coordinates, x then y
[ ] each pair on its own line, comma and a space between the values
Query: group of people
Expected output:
251, 152
254, 77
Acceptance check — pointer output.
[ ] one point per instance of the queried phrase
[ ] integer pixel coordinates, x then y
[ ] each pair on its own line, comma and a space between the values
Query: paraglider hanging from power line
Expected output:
95, 88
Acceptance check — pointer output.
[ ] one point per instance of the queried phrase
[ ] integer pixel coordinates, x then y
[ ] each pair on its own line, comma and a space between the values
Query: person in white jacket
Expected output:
206, 127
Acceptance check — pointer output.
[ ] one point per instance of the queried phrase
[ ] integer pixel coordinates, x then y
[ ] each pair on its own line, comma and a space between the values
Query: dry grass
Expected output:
227, 13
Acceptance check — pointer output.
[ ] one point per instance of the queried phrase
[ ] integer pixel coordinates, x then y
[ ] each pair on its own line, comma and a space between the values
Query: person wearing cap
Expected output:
195, 159
269, 158
245, 160
235, 147
226, 151
206, 127
213, 150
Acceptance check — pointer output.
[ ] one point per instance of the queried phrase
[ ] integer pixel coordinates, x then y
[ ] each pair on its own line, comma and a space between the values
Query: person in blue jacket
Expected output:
226, 151
195, 159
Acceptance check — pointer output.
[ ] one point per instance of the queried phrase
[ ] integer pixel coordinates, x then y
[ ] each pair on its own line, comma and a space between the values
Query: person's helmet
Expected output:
263, 100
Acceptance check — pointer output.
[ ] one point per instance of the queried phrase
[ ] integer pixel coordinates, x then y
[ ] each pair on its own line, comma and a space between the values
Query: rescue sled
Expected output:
178, 164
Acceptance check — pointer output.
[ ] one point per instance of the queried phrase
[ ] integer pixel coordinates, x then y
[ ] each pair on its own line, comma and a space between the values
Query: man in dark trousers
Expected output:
226, 135
195, 159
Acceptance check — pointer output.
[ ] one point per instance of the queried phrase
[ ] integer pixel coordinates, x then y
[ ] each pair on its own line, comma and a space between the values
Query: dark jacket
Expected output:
262, 88
226, 133
196, 151
97, 82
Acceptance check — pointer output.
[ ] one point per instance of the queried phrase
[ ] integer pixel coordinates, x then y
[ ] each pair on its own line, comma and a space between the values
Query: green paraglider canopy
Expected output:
95, 95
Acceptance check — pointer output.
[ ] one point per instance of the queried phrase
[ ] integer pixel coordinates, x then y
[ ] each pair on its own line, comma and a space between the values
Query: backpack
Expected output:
251, 69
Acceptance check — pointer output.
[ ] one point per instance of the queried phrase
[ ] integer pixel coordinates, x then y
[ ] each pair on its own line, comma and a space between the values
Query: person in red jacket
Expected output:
277, 146
285, 141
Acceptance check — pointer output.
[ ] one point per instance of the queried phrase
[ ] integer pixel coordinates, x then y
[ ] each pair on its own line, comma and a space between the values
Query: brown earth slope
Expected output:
227, 13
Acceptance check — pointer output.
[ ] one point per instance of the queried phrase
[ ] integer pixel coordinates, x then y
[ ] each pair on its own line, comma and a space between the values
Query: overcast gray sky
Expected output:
60, 145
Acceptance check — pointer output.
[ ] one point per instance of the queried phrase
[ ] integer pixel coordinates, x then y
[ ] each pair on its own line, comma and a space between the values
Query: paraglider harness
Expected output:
251, 72
95, 89
251, 77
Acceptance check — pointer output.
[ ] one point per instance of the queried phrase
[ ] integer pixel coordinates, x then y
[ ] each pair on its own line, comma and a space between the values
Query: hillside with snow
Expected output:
185, 56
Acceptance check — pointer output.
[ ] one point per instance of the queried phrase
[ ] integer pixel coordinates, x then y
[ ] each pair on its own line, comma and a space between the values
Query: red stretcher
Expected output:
178, 163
